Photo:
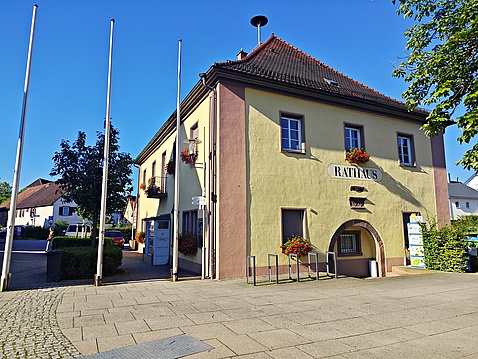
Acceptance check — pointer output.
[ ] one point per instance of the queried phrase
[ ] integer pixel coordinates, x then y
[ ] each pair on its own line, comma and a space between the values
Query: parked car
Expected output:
116, 235
16, 234
78, 230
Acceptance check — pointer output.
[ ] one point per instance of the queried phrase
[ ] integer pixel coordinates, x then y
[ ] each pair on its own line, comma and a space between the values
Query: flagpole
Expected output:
5, 279
104, 190
174, 272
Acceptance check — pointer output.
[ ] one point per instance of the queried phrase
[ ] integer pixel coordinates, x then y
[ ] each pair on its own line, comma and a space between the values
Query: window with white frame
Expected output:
190, 222
292, 135
349, 243
292, 223
353, 137
467, 204
405, 150
457, 204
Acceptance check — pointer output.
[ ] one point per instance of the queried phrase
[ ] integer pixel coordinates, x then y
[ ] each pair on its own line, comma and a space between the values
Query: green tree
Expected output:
80, 168
442, 66
5, 191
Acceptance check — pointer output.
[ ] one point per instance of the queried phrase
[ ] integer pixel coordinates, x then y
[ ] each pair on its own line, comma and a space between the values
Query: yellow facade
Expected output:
279, 180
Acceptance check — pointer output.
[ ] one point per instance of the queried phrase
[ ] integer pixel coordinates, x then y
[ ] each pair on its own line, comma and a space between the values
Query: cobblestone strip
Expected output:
29, 329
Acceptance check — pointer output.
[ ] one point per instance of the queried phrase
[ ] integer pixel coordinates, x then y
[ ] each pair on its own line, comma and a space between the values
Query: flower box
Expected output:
357, 156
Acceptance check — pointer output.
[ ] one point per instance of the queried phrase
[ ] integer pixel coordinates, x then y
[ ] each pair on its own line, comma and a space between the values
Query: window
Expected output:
66, 211
292, 223
144, 176
153, 169
457, 204
353, 137
405, 150
292, 135
194, 132
467, 204
190, 222
349, 243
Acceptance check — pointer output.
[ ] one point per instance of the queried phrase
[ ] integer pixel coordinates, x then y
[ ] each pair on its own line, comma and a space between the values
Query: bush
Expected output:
446, 248
80, 262
35, 232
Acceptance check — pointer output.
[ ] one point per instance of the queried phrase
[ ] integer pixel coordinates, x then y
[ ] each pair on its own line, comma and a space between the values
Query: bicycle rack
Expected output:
248, 258
297, 266
316, 255
327, 263
269, 256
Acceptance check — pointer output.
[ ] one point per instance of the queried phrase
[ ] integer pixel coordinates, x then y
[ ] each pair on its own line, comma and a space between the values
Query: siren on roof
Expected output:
258, 21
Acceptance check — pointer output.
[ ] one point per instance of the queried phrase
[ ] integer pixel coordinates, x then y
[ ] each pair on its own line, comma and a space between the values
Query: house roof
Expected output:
38, 194
277, 60
277, 66
460, 190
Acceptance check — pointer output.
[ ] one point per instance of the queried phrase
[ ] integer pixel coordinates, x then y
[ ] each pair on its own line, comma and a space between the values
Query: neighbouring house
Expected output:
463, 200
270, 133
472, 181
41, 204
129, 214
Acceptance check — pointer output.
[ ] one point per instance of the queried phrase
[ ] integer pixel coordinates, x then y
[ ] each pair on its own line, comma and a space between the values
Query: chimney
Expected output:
241, 54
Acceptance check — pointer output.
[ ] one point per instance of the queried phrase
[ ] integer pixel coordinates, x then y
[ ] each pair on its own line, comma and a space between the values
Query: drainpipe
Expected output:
212, 179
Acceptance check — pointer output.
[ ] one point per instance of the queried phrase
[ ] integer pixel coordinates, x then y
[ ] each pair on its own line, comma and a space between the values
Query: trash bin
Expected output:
54, 265
373, 268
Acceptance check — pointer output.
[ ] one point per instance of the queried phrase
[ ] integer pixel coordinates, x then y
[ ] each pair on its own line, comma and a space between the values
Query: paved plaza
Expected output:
421, 314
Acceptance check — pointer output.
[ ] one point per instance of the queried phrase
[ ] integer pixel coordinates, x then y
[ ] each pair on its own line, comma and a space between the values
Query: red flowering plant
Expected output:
170, 167
296, 245
357, 155
187, 244
186, 158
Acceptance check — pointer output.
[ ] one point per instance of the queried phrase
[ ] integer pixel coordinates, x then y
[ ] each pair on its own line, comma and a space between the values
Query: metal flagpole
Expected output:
174, 273
104, 190
5, 280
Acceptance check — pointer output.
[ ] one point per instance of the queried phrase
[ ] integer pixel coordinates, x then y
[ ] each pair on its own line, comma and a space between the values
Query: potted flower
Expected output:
187, 244
296, 245
140, 237
152, 188
170, 167
142, 186
357, 156
186, 158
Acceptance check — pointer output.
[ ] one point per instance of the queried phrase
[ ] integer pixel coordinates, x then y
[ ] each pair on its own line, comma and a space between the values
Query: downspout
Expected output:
212, 179
135, 225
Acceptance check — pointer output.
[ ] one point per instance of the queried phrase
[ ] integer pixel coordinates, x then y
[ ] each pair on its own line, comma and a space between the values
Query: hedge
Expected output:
445, 249
80, 262
67, 242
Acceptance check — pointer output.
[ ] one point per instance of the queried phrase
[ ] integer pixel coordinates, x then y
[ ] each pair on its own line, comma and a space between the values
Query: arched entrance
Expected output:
380, 251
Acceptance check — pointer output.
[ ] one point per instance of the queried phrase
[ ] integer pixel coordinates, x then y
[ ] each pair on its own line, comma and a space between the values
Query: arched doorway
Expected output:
379, 248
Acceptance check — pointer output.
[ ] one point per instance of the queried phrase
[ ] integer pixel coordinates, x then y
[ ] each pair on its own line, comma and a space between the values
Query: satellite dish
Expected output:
258, 21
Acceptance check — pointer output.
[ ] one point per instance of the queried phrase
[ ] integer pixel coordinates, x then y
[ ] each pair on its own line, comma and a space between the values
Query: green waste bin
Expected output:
54, 265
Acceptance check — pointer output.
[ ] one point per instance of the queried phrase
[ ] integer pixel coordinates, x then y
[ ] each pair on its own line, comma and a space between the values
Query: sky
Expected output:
68, 84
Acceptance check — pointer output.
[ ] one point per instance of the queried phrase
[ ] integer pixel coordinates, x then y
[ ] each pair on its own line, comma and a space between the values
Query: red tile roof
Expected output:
279, 61
38, 194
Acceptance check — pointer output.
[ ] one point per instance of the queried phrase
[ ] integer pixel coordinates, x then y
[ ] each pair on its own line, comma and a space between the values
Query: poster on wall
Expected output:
415, 240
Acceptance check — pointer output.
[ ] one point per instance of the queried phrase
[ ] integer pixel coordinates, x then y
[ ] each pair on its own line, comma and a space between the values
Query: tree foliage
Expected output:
442, 66
80, 167
5, 191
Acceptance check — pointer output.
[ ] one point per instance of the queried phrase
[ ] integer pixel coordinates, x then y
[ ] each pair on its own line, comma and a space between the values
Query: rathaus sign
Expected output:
354, 173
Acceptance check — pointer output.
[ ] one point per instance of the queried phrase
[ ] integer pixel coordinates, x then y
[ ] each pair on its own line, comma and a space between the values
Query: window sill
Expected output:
355, 254
298, 152
407, 165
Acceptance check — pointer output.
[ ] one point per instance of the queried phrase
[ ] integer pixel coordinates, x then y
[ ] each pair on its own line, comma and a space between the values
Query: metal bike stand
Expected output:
297, 265
327, 264
248, 258
316, 255
270, 267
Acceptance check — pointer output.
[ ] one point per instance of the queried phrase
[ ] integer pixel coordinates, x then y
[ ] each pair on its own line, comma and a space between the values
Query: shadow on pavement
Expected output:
28, 268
